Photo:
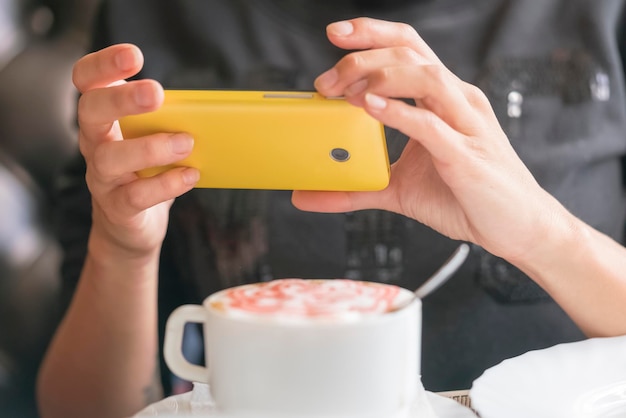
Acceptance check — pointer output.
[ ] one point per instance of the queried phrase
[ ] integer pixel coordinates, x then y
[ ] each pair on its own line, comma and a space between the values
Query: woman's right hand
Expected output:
130, 213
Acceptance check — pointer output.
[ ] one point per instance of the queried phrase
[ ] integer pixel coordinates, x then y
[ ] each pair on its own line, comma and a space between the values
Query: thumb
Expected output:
334, 202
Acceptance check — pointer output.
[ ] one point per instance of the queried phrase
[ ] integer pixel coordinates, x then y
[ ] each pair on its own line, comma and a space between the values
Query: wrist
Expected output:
560, 239
108, 258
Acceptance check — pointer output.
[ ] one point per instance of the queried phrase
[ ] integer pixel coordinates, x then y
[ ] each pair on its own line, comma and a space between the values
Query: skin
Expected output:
458, 174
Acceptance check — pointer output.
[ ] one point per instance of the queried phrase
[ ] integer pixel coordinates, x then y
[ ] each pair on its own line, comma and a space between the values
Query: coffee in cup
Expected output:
305, 348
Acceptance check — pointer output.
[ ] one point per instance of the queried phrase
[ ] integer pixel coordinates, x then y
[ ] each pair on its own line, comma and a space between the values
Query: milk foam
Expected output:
298, 300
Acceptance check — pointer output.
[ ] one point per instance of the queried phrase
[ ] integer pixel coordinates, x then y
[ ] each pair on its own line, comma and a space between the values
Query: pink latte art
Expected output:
299, 299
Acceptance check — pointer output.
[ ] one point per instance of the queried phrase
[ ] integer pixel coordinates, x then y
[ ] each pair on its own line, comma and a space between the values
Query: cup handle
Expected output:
173, 342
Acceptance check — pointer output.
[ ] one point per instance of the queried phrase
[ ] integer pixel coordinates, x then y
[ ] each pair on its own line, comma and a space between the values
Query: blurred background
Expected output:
39, 42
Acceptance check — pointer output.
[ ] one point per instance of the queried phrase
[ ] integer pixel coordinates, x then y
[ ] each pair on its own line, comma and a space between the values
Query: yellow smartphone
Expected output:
271, 140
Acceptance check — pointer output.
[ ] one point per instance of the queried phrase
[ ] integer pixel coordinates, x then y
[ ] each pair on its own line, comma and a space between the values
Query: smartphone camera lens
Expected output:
340, 155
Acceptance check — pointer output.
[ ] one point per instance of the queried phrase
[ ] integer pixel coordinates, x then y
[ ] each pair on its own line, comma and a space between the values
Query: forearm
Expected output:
585, 272
102, 361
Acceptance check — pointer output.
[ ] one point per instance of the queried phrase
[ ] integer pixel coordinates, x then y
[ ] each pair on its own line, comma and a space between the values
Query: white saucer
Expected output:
190, 405
573, 380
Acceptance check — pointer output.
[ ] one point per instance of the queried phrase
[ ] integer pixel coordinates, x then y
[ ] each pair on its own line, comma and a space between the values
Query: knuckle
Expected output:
83, 147
381, 76
168, 183
352, 62
435, 123
100, 63
406, 54
89, 181
79, 69
100, 161
475, 95
134, 197
407, 31
90, 63
118, 100
82, 107
437, 73
151, 149
403, 111
364, 23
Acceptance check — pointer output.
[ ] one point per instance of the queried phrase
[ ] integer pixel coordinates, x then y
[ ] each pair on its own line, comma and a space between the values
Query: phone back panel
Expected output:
271, 140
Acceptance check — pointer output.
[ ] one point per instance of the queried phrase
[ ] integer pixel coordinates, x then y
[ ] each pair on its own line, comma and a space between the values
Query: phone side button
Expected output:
288, 95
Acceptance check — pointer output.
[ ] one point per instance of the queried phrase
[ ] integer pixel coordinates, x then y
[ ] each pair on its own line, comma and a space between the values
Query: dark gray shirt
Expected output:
553, 72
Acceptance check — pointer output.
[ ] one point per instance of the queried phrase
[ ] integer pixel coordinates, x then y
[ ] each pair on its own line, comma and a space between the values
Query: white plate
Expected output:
181, 406
573, 380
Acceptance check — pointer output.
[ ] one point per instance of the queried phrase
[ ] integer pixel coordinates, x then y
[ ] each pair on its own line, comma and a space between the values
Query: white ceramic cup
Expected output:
305, 348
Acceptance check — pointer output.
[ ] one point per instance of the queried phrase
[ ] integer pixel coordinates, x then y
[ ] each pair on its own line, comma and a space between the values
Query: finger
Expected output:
106, 105
99, 108
353, 67
367, 33
440, 139
431, 85
115, 159
145, 193
107, 66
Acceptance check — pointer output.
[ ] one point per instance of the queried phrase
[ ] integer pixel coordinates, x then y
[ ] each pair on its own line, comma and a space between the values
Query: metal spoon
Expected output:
444, 272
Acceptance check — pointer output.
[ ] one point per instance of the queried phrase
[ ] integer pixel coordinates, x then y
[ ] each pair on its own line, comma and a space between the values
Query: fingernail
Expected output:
375, 102
343, 28
191, 176
144, 95
180, 143
356, 88
327, 79
126, 59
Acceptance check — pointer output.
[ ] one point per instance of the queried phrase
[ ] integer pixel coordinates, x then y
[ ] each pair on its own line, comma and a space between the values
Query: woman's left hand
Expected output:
458, 173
